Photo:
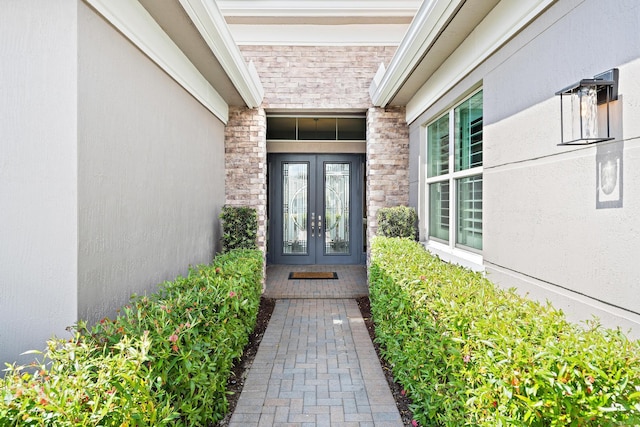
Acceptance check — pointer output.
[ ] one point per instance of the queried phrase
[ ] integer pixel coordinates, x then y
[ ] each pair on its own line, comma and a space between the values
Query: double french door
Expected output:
315, 204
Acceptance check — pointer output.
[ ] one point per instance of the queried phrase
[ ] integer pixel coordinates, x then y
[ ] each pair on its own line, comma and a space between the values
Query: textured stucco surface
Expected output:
38, 237
150, 170
544, 229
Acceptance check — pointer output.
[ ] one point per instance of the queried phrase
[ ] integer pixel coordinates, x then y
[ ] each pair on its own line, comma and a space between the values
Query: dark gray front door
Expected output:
315, 204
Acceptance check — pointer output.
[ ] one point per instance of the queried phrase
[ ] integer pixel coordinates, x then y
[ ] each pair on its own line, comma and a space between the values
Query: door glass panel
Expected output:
295, 184
336, 208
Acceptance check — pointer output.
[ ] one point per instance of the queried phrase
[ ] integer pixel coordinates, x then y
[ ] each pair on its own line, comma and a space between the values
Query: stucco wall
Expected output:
38, 238
150, 169
544, 230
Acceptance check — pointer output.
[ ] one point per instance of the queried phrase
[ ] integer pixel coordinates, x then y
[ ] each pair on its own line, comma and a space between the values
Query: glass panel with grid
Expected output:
438, 147
468, 138
469, 215
439, 210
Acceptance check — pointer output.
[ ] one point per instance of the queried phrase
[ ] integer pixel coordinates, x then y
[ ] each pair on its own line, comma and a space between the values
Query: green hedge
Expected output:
239, 227
397, 221
164, 360
468, 353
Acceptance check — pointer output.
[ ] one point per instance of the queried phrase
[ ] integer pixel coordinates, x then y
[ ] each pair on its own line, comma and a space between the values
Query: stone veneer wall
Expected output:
387, 162
317, 77
246, 164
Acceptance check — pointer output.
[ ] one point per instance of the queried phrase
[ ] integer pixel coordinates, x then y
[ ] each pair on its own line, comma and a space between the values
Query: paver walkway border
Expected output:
316, 366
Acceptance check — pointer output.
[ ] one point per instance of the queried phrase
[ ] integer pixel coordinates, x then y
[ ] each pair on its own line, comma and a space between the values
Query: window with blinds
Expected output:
455, 196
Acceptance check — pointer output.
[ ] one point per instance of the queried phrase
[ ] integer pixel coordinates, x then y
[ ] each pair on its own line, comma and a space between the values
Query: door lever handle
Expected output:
313, 223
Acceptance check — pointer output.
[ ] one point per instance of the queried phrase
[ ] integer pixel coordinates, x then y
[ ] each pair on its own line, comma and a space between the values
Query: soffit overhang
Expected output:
438, 28
189, 40
445, 42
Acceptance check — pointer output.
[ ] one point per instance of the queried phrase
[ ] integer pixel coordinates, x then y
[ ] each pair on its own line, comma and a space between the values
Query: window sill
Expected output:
470, 260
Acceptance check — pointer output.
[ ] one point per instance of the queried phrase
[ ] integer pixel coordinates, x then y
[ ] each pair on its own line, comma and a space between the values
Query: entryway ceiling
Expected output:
318, 22
318, 11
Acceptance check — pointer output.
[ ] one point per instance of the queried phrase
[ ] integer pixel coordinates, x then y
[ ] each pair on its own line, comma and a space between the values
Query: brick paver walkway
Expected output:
351, 283
316, 365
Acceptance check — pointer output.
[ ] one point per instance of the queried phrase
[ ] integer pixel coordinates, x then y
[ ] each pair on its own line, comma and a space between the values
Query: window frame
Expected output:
450, 250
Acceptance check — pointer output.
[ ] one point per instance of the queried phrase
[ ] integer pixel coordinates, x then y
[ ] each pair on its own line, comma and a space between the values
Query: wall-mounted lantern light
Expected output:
584, 109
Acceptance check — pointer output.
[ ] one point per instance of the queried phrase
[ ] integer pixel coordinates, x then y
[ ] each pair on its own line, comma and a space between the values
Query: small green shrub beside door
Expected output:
239, 227
397, 221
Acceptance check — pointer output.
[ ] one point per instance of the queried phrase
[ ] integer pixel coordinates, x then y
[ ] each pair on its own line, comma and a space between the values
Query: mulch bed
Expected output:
241, 368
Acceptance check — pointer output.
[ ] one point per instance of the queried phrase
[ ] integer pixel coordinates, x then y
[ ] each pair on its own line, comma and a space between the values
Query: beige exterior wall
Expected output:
544, 231
38, 192
150, 172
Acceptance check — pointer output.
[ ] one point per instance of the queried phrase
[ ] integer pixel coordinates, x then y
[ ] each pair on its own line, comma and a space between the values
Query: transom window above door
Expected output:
316, 128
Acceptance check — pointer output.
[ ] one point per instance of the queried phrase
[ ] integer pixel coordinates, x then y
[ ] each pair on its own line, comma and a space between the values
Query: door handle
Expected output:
319, 225
313, 223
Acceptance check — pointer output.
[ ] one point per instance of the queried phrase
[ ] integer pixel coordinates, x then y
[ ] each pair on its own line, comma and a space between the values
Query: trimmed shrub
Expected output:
398, 221
239, 227
79, 385
164, 360
469, 353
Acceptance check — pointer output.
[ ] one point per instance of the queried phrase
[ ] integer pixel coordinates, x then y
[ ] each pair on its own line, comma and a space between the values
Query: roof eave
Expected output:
137, 25
209, 21
432, 17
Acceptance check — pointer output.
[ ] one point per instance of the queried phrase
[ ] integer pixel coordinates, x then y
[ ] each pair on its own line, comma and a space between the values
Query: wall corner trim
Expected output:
210, 22
137, 25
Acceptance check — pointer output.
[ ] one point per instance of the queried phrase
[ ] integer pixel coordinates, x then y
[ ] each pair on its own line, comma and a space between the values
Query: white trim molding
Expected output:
428, 23
209, 21
315, 8
470, 260
287, 34
502, 23
137, 25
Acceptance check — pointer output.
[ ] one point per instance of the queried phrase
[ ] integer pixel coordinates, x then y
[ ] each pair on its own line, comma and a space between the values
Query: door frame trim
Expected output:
357, 192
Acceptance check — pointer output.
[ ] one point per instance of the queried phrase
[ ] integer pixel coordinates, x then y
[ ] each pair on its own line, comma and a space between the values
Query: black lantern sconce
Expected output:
583, 106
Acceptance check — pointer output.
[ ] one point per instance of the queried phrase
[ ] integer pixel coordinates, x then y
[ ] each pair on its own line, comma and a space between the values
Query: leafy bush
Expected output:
469, 353
80, 385
164, 360
239, 227
397, 221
